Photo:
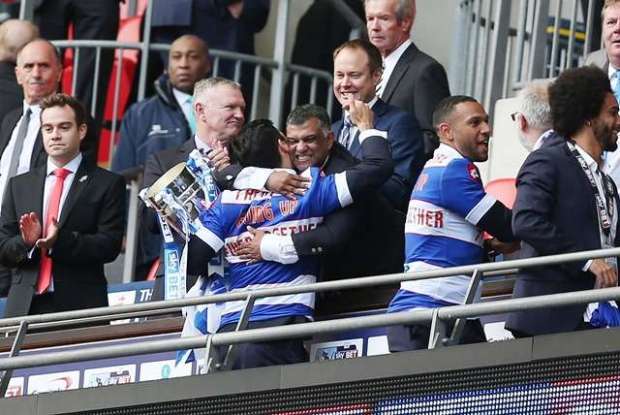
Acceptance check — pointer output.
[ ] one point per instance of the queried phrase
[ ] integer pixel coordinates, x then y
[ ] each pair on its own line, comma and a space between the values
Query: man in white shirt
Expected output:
61, 222
164, 120
412, 80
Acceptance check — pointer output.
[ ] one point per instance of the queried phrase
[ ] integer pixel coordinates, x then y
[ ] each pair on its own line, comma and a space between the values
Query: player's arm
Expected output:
207, 241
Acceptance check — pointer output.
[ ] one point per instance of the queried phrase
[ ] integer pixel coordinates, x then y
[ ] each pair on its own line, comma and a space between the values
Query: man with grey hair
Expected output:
534, 122
219, 112
14, 35
412, 80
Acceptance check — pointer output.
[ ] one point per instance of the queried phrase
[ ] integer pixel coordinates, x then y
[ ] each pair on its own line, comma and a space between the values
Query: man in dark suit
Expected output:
219, 111
565, 203
357, 71
360, 240
412, 80
38, 72
58, 233
91, 19
14, 34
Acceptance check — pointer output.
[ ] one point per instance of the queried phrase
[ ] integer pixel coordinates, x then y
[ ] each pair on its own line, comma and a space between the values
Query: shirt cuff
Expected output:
278, 248
586, 267
371, 133
252, 178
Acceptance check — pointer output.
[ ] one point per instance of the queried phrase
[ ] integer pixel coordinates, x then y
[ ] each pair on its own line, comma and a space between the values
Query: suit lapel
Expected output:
80, 182
36, 197
402, 66
12, 118
38, 152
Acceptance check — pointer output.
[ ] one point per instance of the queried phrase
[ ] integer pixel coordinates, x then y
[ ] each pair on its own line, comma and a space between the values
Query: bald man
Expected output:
14, 34
164, 120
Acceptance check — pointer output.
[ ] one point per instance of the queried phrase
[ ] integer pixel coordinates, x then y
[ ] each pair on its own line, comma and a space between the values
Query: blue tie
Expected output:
347, 127
192, 117
616, 84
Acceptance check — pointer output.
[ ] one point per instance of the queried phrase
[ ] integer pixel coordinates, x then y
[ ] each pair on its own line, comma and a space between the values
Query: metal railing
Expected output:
491, 59
438, 317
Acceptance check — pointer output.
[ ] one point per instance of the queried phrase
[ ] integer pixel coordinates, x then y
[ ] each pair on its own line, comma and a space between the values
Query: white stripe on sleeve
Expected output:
342, 188
210, 238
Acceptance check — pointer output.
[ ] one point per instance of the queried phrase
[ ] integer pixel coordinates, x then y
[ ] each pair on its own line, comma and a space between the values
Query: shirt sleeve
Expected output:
212, 230
462, 191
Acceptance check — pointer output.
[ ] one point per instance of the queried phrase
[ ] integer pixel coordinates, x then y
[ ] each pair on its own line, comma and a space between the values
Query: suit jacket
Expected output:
363, 239
416, 85
598, 58
90, 235
11, 92
154, 168
554, 213
406, 143
88, 147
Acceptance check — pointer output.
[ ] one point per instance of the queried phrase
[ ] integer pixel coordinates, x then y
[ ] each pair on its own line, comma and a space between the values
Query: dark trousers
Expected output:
415, 337
280, 352
92, 19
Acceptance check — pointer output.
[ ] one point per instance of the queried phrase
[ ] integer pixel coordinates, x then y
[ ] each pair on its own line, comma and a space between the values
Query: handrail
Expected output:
308, 329
160, 307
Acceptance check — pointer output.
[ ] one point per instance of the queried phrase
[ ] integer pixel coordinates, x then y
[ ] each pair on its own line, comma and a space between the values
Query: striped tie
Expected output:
345, 137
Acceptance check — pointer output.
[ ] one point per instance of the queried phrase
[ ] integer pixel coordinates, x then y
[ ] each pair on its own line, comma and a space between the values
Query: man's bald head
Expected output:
14, 35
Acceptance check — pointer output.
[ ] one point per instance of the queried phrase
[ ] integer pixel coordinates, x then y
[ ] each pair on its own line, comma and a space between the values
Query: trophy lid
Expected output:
163, 182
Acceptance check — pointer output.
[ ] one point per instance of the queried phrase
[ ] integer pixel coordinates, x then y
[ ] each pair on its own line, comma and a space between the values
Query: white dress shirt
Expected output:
185, 102
26, 155
50, 181
389, 62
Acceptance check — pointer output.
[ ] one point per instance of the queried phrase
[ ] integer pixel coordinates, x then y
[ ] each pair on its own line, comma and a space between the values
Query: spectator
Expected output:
218, 108
357, 71
412, 80
58, 257
608, 59
166, 119
38, 72
226, 224
224, 25
533, 119
91, 19
14, 35
558, 189
347, 249
447, 213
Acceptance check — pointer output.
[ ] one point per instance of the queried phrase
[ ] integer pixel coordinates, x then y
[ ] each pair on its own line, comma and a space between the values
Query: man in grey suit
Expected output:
412, 80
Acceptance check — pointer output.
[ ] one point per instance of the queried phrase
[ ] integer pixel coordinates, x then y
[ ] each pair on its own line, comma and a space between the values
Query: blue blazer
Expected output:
554, 213
407, 146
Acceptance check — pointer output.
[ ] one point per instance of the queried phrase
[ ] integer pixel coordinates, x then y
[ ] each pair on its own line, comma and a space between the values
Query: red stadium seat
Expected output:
504, 190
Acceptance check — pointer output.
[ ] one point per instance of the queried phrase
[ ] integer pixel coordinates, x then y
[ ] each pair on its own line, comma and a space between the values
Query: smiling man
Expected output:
219, 111
447, 213
61, 222
357, 71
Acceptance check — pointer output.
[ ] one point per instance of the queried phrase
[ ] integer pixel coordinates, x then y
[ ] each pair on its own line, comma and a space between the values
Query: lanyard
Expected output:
605, 205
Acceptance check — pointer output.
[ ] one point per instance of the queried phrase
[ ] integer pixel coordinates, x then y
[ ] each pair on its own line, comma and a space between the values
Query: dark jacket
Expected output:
11, 92
149, 126
90, 235
554, 213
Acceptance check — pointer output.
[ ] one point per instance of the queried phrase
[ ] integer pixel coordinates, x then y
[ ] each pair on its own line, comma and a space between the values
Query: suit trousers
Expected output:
415, 337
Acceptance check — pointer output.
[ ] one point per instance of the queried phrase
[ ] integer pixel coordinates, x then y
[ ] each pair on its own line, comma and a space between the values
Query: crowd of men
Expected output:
392, 186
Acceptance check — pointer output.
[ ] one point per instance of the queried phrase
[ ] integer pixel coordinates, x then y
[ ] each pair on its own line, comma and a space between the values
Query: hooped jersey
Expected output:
447, 202
225, 226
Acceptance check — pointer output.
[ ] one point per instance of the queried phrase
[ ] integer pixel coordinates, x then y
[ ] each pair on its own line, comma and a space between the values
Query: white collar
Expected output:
371, 104
393, 57
72, 166
180, 96
35, 108
447, 151
201, 145
592, 164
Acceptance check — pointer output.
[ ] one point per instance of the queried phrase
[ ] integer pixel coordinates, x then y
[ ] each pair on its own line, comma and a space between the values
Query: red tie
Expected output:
45, 272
